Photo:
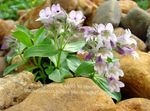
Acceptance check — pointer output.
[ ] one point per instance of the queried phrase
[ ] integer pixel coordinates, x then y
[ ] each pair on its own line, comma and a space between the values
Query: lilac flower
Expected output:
126, 39
115, 85
45, 15
89, 56
76, 18
88, 32
57, 11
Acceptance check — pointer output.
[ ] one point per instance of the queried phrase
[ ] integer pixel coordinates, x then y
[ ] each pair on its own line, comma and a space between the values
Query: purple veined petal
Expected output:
113, 45
100, 28
79, 15
4, 46
99, 60
72, 14
109, 27
120, 51
55, 8
88, 56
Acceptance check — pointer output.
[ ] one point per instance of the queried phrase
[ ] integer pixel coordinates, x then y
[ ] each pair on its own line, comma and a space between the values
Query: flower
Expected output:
126, 39
106, 37
88, 32
45, 15
76, 18
57, 11
115, 85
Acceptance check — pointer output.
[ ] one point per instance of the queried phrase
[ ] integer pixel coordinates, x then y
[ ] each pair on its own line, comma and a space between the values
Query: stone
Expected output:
137, 75
127, 5
5, 28
108, 12
75, 94
16, 87
148, 38
137, 20
3, 65
29, 19
140, 44
134, 104
68, 5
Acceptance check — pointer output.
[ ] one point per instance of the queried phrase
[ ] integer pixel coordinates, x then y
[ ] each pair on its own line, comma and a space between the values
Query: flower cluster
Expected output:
103, 42
55, 13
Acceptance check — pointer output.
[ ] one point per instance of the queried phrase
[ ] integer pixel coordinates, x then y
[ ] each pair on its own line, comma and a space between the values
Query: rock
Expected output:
75, 94
140, 44
148, 38
134, 104
148, 10
137, 20
127, 5
29, 19
5, 28
108, 12
3, 65
137, 75
15, 88
68, 5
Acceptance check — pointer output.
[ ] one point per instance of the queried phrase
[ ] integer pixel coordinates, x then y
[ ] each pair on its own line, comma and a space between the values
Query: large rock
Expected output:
15, 88
134, 104
137, 20
127, 5
75, 94
140, 44
137, 75
108, 12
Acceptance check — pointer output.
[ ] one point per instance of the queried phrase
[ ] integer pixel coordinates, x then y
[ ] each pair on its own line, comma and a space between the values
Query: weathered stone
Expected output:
3, 65
108, 12
137, 20
140, 44
75, 94
29, 19
134, 104
127, 5
15, 88
137, 75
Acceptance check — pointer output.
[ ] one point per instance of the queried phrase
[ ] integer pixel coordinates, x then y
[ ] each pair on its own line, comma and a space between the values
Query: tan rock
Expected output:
127, 5
137, 75
15, 88
5, 28
75, 94
29, 19
140, 44
134, 104
3, 65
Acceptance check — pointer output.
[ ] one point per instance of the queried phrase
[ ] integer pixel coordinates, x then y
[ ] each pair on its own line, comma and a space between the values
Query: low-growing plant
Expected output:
63, 48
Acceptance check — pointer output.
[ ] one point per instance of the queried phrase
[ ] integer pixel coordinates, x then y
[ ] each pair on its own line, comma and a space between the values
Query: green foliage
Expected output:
9, 8
143, 3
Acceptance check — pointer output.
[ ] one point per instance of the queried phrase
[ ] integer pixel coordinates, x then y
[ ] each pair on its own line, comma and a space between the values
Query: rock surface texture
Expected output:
134, 104
15, 88
137, 75
137, 20
108, 12
75, 94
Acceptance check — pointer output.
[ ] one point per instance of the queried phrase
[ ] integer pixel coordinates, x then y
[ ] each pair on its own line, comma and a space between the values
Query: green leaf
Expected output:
74, 46
41, 50
40, 35
85, 69
23, 36
49, 70
103, 83
11, 68
58, 75
73, 63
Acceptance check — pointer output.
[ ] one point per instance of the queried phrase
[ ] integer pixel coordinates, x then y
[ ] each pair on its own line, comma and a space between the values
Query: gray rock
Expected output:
108, 12
137, 20
16, 87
